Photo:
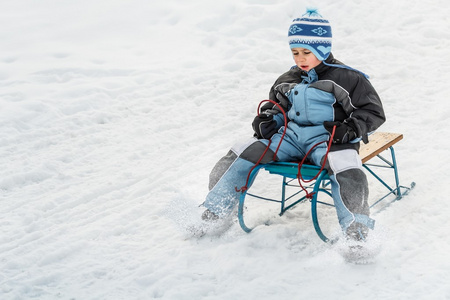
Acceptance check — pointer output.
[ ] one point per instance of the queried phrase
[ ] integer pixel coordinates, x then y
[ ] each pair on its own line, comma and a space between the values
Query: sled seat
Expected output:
379, 142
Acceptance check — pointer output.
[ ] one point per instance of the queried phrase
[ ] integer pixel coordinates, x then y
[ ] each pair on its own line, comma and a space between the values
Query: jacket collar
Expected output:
322, 68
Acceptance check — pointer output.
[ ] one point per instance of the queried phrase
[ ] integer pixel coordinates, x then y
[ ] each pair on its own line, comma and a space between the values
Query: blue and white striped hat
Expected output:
311, 32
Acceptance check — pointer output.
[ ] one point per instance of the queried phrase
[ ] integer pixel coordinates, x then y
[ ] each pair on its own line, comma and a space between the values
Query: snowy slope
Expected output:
114, 112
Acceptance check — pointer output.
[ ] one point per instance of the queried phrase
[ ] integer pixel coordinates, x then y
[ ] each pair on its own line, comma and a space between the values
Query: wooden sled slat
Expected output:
378, 142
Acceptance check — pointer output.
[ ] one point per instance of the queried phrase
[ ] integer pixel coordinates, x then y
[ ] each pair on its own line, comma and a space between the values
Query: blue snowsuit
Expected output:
311, 102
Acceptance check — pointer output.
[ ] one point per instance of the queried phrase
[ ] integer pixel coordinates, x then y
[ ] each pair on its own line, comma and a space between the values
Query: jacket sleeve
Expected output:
291, 76
368, 113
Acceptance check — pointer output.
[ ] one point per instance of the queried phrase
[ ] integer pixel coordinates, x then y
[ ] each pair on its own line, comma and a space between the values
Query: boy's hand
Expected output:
264, 126
344, 133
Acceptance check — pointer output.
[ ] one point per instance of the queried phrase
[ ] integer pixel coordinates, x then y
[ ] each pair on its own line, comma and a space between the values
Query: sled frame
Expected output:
379, 144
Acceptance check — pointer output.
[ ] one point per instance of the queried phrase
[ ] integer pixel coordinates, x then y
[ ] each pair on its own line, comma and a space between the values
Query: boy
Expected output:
318, 94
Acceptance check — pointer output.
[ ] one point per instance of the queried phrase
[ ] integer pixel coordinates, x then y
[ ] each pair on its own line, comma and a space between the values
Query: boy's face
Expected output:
305, 59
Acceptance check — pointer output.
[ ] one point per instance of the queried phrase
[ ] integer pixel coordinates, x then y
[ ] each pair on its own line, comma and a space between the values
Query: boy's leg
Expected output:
230, 172
350, 192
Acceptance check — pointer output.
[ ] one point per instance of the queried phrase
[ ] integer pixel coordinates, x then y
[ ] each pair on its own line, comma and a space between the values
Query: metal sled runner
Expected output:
378, 143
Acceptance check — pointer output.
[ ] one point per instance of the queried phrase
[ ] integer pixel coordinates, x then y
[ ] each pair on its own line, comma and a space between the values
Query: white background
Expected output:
114, 112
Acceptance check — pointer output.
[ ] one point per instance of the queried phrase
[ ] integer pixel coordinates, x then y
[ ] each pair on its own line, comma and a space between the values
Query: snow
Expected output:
114, 112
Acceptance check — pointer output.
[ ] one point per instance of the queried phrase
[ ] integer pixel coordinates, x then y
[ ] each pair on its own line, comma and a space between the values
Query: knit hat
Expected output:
311, 32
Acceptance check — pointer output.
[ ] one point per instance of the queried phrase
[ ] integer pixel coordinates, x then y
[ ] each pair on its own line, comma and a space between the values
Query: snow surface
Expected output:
114, 112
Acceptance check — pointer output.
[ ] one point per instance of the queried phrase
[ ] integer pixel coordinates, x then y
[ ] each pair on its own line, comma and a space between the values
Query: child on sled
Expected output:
319, 95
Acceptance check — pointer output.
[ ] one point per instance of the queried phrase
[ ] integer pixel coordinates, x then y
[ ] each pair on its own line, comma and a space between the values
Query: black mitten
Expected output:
344, 133
264, 126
